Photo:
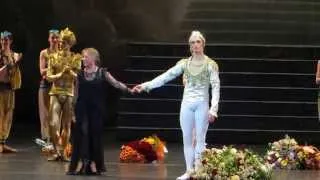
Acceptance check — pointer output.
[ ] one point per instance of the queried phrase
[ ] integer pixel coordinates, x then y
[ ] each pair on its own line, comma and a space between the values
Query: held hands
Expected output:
130, 91
137, 89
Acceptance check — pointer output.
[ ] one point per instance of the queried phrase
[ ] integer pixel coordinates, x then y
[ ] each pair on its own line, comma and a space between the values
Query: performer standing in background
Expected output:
10, 80
88, 130
43, 94
63, 67
199, 72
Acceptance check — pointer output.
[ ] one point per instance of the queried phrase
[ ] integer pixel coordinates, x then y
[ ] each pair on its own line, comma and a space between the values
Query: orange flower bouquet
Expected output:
146, 150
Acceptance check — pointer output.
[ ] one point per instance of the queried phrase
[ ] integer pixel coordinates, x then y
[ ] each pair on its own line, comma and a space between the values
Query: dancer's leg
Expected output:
54, 121
66, 122
187, 124
43, 102
6, 114
201, 126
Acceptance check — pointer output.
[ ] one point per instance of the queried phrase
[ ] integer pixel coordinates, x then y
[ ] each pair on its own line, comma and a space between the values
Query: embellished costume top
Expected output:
196, 84
10, 76
58, 62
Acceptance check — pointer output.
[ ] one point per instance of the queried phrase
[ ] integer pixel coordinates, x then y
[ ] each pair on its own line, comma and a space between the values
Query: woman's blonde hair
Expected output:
94, 53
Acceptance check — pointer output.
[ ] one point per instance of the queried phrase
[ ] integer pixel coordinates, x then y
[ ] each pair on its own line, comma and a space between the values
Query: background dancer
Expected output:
10, 80
43, 94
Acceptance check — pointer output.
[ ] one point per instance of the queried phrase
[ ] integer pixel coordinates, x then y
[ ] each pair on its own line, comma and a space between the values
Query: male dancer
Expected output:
200, 72
62, 71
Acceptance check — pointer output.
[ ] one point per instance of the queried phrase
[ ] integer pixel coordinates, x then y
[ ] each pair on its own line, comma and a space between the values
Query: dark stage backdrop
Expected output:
106, 25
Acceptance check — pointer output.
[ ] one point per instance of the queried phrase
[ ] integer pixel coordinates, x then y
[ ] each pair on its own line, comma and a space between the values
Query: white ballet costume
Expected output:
195, 103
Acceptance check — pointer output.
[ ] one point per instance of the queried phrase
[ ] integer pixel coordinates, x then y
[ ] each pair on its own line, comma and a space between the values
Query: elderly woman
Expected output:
88, 129
199, 72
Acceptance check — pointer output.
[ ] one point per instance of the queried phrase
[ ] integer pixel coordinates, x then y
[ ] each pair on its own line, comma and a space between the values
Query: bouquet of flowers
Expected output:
229, 163
146, 150
287, 154
282, 154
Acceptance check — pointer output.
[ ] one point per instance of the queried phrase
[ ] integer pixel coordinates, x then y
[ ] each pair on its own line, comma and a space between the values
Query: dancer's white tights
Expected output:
193, 115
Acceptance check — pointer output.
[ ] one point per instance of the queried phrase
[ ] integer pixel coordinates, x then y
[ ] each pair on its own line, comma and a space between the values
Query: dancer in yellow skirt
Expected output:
10, 80
62, 71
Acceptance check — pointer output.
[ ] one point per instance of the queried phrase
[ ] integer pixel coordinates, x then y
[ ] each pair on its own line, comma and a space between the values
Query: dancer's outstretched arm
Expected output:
162, 79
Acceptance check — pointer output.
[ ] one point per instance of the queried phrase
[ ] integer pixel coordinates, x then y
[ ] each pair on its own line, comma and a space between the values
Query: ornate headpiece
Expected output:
5, 34
67, 35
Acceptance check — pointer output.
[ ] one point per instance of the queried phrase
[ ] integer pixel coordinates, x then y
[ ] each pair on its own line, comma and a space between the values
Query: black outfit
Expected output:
88, 130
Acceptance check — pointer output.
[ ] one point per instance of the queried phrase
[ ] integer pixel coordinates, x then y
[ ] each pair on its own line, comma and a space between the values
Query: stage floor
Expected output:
29, 164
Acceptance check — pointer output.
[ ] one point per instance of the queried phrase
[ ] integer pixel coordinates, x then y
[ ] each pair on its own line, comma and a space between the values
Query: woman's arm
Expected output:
215, 87
115, 83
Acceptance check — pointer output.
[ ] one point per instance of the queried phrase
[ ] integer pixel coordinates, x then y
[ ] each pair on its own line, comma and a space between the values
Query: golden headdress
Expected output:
69, 36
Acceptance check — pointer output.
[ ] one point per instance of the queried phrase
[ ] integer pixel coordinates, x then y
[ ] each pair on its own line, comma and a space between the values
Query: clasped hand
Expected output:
136, 89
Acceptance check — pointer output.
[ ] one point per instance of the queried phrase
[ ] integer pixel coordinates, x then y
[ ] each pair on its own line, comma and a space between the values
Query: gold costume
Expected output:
10, 80
63, 67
